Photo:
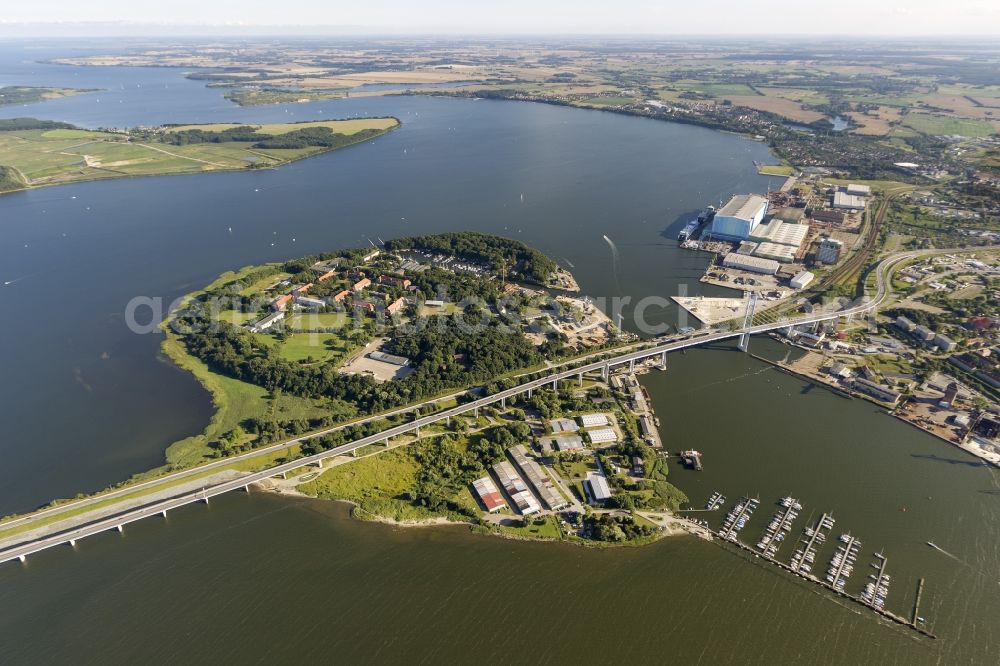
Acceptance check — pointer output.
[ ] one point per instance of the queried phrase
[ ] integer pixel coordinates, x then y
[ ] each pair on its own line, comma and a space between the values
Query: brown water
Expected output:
263, 579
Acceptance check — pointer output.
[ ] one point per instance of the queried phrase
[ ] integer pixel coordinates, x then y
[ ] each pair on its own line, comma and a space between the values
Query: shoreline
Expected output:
838, 390
287, 488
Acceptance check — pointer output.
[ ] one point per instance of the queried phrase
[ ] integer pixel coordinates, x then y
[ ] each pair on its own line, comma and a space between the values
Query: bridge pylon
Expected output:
744, 343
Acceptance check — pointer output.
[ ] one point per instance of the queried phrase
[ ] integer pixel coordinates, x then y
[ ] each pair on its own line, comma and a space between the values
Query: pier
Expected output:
815, 536
737, 518
780, 525
842, 564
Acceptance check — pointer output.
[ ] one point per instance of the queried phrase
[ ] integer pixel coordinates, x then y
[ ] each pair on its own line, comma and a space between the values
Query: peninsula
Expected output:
35, 153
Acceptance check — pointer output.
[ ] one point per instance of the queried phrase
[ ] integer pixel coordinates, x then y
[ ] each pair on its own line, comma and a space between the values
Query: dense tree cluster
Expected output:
443, 356
497, 252
15, 124
446, 469
307, 137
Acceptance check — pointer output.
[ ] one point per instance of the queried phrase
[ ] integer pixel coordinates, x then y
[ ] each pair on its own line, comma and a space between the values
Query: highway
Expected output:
56, 536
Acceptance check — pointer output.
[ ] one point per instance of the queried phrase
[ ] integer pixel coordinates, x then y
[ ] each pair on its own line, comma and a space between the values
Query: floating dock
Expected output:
780, 526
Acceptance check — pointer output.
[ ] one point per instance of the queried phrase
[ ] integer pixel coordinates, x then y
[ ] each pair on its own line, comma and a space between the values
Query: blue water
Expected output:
86, 403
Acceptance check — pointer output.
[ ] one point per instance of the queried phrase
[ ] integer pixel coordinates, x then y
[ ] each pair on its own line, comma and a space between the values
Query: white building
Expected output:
268, 321
563, 425
593, 420
802, 280
829, 251
780, 233
602, 435
311, 303
739, 217
848, 201
599, 488
858, 190
783, 253
752, 264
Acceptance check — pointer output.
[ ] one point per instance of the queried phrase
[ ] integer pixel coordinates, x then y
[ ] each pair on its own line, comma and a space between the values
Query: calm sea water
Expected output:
258, 578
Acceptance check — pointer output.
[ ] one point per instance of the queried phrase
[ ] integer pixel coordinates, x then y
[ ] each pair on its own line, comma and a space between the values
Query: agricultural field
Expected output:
937, 125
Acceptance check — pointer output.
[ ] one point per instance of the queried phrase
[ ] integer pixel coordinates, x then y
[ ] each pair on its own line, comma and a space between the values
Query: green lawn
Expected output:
382, 476
317, 346
549, 529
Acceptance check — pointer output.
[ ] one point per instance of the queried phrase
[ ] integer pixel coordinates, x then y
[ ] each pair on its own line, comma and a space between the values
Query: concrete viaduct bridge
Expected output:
603, 365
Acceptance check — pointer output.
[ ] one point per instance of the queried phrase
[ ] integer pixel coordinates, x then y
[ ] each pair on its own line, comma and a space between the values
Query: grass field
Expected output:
50, 157
317, 346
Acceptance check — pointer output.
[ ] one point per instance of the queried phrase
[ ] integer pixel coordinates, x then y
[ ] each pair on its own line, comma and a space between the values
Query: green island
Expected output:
265, 96
35, 153
353, 337
10, 95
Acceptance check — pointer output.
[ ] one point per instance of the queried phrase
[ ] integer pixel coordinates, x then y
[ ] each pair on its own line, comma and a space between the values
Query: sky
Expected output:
504, 17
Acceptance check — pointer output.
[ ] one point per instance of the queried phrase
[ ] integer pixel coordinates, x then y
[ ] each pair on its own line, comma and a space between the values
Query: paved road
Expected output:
57, 537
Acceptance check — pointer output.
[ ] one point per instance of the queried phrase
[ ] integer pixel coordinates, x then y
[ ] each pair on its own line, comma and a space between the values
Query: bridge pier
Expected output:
418, 431
631, 366
529, 394
164, 513
503, 403
447, 421
555, 384
72, 542
663, 361
22, 558
120, 528
386, 442
204, 500
605, 371
579, 378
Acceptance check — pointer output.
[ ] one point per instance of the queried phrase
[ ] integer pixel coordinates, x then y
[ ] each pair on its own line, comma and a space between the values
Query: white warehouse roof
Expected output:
753, 264
602, 435
802, 279
782, 233
783, 253
591, 420
599, 488
743, 206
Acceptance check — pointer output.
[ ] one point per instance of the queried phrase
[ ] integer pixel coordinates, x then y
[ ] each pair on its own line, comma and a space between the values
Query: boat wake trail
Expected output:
615, 258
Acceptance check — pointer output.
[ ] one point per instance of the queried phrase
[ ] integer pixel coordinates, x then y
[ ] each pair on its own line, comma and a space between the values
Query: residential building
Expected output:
312, 303
281, 302
944, 343
361, 285
267, 322
341, 295
923, 334
904, 324
396, 306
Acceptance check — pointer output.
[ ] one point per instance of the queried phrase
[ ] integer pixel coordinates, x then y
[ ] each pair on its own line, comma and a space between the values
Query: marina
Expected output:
814, 536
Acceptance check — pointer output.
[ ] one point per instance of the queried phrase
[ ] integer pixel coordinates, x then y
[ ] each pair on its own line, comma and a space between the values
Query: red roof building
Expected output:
341, 295
361, 284
396, 306
326, 276
281, 302
488, 494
